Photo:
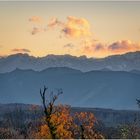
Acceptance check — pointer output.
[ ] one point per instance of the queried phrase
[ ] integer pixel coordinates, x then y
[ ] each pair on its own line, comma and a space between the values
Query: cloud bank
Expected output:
118, 47
123, 46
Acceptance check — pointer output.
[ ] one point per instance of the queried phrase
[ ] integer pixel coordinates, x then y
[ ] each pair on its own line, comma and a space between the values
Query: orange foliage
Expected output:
68, 125
62, 120
43, 133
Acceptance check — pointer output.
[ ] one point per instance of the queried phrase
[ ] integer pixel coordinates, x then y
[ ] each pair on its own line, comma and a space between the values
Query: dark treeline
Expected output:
20, 120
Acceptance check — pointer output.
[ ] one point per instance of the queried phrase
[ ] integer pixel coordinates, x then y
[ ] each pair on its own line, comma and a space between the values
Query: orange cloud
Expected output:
92, 48
54, 21
123, 46
99, 47
36, 30
93, 44
38, 24
36, 19
74, 21
21, 50
76, 27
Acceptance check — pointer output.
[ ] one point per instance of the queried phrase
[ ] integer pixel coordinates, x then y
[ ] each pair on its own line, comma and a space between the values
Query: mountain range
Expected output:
102, 89
126, 62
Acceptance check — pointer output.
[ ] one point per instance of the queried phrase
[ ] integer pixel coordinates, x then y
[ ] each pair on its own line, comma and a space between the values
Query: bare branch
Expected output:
49, 108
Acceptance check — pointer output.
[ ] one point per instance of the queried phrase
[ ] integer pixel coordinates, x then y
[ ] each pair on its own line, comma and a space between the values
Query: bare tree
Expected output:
49, 108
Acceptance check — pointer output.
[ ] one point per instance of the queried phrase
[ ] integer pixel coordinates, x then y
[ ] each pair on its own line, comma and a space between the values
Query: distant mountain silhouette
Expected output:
104, 89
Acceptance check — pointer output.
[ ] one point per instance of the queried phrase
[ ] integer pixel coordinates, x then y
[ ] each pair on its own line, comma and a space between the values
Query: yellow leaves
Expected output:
69, 125
44, 132
62, 120
85, 118
63, 132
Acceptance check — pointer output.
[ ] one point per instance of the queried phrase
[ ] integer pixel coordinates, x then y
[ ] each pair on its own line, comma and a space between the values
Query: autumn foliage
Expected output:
60, 123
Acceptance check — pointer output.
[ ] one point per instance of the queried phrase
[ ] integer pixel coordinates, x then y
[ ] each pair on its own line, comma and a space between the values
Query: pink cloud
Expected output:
21, 50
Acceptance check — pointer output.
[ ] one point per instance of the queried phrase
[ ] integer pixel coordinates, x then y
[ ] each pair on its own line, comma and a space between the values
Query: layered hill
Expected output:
104, 89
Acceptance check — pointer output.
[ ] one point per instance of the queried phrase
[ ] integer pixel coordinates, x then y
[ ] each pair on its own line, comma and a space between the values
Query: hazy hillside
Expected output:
108, 117
111, 117
104, 89
126, 62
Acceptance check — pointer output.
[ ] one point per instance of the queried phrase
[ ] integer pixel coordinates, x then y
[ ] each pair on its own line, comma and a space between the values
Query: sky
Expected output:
91, 28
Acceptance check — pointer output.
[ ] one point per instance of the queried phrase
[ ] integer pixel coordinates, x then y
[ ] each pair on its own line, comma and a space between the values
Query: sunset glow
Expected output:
94, 29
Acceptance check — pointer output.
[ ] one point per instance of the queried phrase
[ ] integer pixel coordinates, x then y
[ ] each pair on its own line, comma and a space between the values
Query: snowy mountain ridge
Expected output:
126, 62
